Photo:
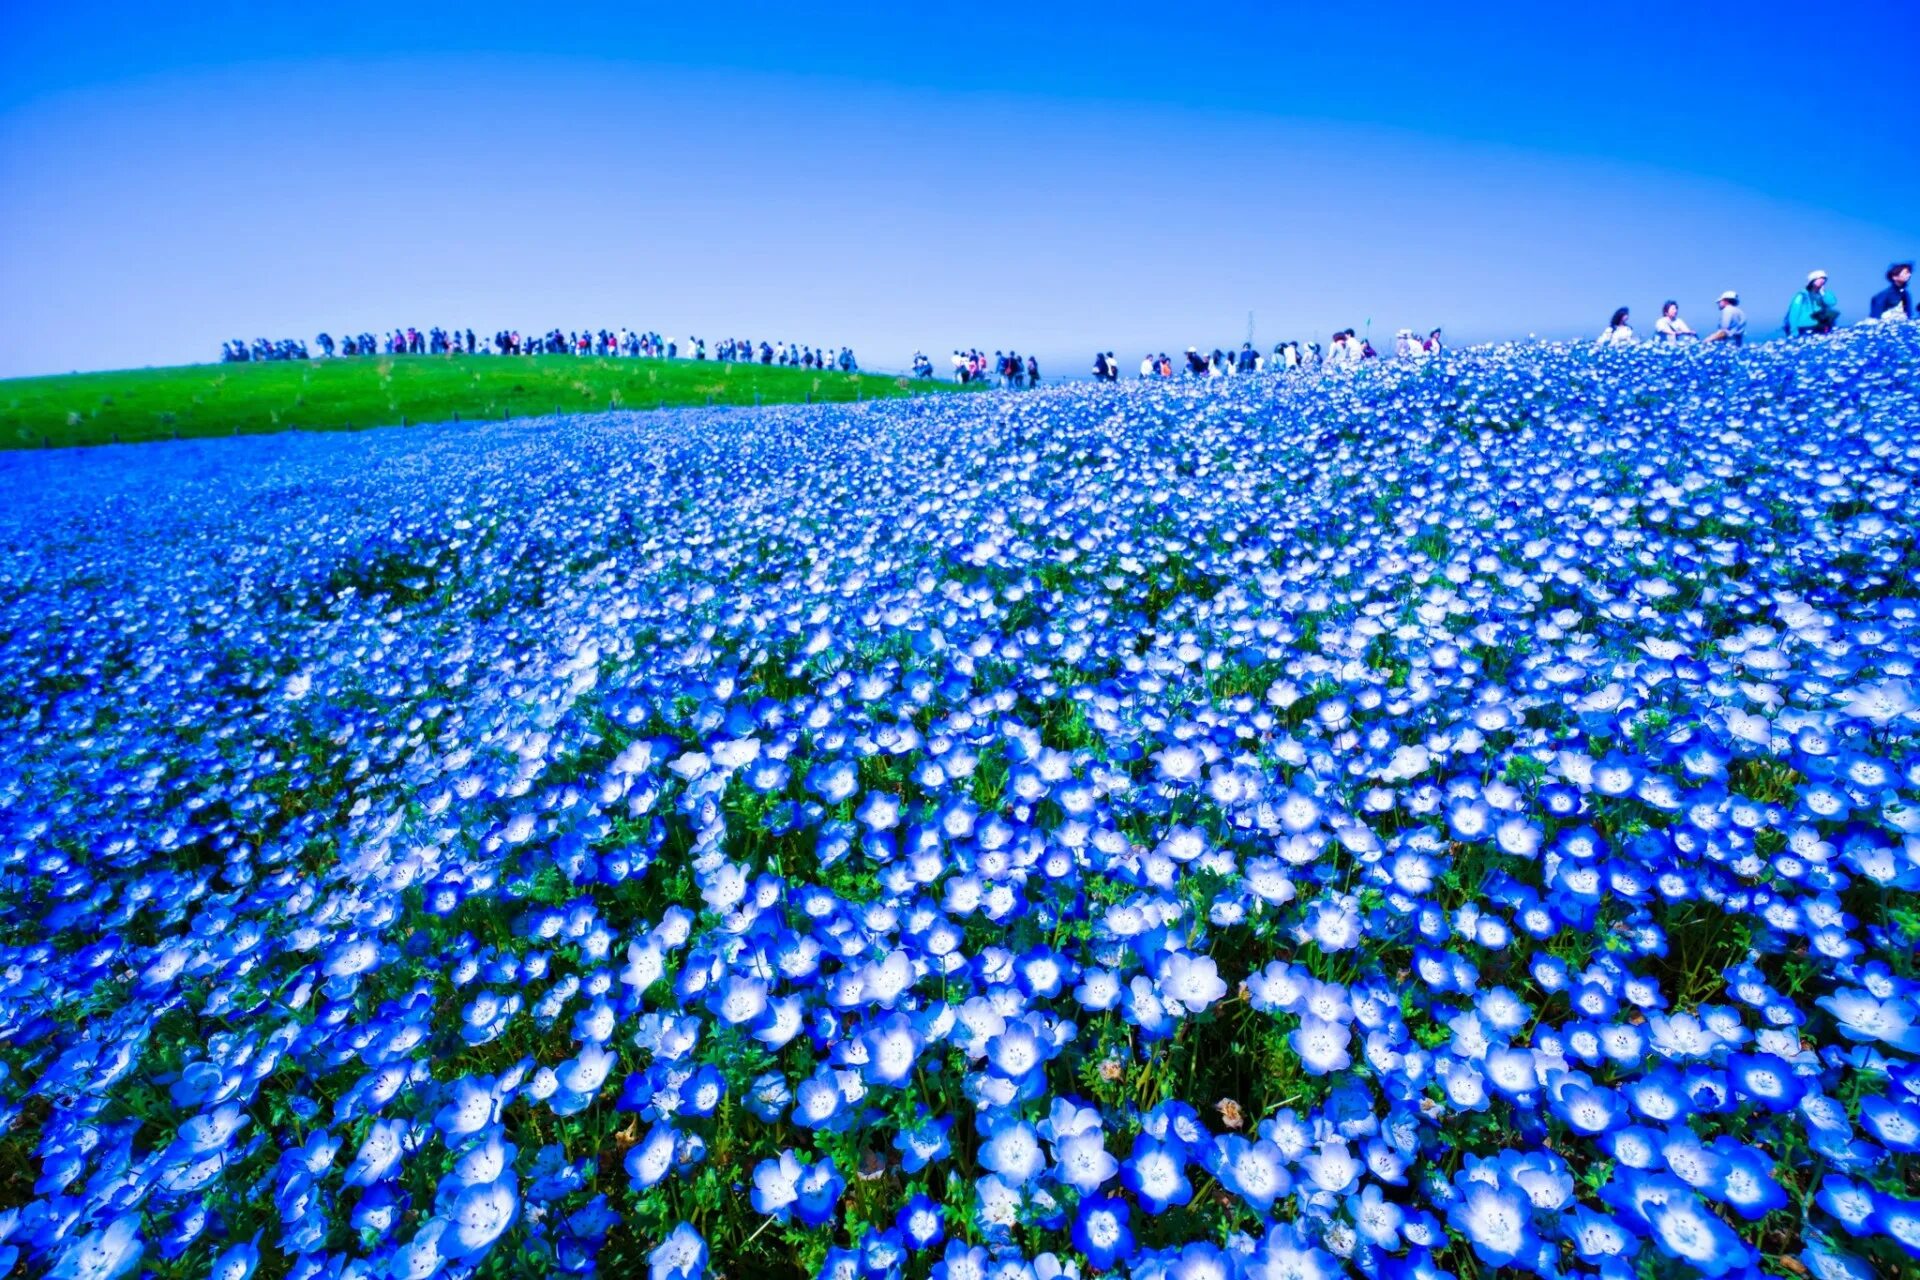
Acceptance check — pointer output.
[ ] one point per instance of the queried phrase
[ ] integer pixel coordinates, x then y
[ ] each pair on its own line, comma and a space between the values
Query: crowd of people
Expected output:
1009, 368
1812, 309
239, 350
622, 342
1347, 348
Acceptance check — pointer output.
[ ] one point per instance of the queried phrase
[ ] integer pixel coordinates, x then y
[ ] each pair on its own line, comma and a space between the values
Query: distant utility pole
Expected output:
1249, 328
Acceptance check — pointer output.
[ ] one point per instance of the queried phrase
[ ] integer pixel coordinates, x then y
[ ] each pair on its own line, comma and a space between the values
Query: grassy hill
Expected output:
331, 395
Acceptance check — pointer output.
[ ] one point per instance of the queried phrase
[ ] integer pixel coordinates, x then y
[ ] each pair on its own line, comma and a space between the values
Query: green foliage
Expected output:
130, 405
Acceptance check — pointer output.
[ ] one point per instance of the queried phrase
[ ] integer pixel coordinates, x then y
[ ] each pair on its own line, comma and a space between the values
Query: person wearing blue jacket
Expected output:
1813, 309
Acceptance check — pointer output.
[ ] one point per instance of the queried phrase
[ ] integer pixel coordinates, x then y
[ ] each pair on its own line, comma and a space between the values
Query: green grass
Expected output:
332, 395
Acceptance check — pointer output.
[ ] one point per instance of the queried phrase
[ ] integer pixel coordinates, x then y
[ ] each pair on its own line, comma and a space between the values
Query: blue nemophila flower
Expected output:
1082, 1160
681, 1256
1377, 1219
961, 1261
1684, 1228
921, 1223
923, 1142
1102, 1230
651, 1159
834, 782
1858, 1015
776, 1185
1899, 1219
1011, 1148
113, 1250
380, 1153
1332, 924
419, 1257
1496, 1221
478, 1216
1598, 1237
1285, 1251
818, 1190
892, 1046
472, 1106
1190, 982
1250, 1170
1156, 1173
236, 1262
1322, 1045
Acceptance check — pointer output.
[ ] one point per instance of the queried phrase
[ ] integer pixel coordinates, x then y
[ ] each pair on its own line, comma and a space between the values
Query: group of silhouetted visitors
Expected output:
1009, 368
240, 351
1813, 309
622, 342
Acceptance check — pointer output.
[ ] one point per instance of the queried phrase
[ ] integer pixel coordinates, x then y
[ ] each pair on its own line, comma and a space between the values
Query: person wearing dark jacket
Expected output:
1892, 302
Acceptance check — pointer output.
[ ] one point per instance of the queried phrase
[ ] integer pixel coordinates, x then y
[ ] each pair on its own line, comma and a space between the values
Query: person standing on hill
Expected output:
1892, 302
1733, 321
1670, 327
1813, 309
1033, 372
1618, 332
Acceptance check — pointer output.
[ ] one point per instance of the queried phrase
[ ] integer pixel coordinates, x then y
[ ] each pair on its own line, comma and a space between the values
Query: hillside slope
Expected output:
1462, 819
130, 405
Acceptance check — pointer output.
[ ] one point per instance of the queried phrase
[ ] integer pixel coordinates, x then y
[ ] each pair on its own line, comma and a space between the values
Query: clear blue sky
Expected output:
1051, 178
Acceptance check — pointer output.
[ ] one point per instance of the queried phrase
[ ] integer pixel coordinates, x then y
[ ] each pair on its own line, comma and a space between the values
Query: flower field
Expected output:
1460, 820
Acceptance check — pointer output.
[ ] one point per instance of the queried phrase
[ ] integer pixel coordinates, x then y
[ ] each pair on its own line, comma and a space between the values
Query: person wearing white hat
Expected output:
1813, 309
1733, 321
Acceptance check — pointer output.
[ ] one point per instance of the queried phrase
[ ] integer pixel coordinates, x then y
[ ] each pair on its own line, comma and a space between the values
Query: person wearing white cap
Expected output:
1813, 309
1733, 321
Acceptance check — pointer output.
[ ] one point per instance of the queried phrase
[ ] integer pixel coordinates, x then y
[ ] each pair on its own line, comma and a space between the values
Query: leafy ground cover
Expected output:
131, 405
1459, 820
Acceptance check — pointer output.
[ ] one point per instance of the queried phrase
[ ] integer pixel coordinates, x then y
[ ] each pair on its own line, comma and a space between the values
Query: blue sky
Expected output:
1128, 177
